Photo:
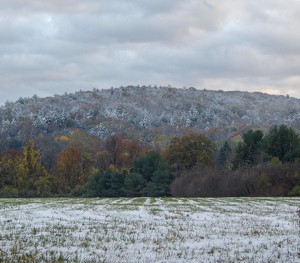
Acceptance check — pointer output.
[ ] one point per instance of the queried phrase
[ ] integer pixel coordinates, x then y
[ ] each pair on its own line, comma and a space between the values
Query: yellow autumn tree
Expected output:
30, 169
69, 169
87, 166
9, 162
185, 153
62, 138
81, 142
162, 140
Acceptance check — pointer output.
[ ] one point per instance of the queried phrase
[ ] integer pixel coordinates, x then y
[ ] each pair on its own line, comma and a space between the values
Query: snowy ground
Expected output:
149, 230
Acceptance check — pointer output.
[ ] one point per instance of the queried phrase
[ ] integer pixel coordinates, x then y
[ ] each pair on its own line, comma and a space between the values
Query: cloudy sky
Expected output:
57, 46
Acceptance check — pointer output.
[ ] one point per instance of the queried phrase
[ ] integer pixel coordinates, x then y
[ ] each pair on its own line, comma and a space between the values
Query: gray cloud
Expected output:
66, 45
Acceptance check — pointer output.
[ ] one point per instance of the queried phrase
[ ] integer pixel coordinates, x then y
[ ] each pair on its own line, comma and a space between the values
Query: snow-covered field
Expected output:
149, 230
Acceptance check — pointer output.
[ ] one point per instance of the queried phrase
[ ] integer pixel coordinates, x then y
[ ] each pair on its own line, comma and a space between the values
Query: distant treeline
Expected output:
260, 164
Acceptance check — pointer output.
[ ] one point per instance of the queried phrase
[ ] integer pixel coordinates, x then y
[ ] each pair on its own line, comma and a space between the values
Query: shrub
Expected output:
8, 192
295, 191
78, 191
265, 180
26, 193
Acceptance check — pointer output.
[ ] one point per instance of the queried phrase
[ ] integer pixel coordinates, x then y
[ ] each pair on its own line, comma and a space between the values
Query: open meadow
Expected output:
149, 230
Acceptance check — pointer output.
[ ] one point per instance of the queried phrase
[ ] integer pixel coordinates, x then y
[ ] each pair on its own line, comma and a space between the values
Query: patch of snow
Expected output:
150, 230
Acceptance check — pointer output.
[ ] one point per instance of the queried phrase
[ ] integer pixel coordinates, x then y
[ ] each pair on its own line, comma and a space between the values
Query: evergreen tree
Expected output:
155, 171
282, 142
146, 165
134, 184
106, 184
222, 156
114, 184
249, 151
159, 184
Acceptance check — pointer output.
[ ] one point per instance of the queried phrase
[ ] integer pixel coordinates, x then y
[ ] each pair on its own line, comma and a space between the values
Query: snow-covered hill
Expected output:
103, 112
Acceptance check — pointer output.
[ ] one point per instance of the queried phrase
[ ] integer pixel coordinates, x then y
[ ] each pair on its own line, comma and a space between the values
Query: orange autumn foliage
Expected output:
131, 150
68, 168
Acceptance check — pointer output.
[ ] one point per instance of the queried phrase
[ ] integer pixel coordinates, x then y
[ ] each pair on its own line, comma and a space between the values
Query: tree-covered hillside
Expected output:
167, 110
149, 141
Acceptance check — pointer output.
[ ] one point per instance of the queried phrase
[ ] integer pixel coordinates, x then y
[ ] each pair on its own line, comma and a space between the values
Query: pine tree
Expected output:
159, 184
134, 183
155, 171
282, 142
222, 156
106, 184
248, 152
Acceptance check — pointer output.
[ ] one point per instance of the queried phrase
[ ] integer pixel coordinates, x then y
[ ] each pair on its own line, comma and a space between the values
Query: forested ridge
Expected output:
165, 110
150, 141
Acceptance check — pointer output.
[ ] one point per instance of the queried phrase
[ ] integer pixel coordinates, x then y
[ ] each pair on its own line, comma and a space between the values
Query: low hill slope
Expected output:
103, 112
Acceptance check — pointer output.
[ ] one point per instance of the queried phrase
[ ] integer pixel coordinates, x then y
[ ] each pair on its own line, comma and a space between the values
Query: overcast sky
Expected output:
55, 46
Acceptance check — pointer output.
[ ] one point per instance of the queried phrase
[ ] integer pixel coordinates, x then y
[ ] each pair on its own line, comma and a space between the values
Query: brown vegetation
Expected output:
264, 180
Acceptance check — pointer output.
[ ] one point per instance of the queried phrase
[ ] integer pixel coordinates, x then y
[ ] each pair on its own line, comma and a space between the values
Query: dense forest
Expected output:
150, 141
